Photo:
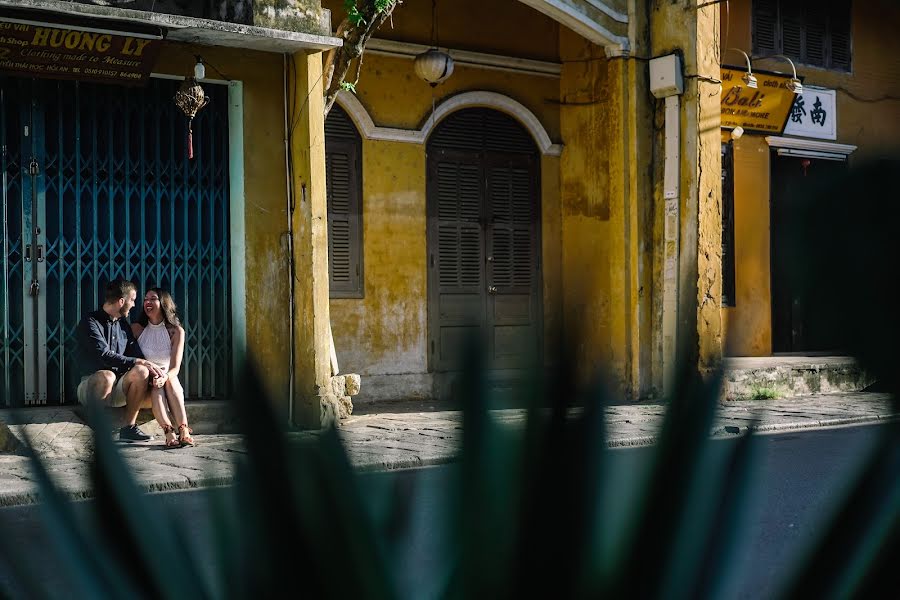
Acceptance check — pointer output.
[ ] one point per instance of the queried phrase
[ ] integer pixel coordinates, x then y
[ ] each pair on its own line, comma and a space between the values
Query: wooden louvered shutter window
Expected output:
459, 226
810, 32
839, 32
511, 187
344, 197
765, 27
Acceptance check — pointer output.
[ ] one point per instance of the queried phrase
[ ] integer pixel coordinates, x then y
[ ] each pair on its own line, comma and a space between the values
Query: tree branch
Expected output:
355, 37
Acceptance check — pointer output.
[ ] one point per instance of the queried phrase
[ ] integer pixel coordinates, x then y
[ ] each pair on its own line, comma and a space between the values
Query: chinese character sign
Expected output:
814, 114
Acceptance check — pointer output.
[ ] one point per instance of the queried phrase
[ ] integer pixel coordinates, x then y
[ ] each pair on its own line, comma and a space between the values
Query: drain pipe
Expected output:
666, 82
290, 238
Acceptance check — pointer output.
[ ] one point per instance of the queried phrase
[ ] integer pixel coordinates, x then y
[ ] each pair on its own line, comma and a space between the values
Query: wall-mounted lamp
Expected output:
737, 132
794, 84
749, 78
199, 69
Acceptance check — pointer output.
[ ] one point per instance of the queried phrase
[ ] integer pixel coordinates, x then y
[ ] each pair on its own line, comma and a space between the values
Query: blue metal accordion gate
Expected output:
97, 185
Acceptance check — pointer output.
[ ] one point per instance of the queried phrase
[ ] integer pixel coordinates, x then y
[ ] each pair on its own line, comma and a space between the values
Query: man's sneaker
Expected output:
133, 433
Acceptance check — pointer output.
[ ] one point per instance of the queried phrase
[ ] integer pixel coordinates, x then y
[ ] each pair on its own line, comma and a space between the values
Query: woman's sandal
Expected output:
184, 435
174, 442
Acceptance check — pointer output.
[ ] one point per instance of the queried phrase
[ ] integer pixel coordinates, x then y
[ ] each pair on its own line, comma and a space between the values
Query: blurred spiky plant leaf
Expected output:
529, 516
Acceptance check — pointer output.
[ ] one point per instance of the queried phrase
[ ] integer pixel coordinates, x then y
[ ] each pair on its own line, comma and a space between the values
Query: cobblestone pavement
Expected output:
377, 440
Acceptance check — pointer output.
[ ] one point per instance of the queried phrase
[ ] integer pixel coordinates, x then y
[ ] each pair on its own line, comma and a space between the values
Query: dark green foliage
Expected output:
527, 518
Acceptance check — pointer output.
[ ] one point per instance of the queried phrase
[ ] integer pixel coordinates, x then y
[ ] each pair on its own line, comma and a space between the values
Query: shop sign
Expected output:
55, 51
764, 109
814, 114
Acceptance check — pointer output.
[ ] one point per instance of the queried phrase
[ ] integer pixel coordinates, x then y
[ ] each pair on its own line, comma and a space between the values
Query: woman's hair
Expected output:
166, 305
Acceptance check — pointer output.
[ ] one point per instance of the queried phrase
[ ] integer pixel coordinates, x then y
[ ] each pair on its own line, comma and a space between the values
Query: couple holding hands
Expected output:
129, 365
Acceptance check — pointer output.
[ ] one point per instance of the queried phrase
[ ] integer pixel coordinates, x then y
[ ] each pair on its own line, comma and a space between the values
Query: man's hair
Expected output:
118, 289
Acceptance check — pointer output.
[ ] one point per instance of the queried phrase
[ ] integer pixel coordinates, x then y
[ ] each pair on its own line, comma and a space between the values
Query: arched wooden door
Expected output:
484, 241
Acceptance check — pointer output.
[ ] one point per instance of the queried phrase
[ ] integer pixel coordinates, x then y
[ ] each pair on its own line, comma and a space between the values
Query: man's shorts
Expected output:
116, 397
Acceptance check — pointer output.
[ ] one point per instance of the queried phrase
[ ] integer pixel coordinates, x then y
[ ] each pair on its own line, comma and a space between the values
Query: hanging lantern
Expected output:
434, 66
190, 98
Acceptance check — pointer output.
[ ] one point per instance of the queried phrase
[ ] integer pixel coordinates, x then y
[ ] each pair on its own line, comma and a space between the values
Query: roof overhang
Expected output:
185, 29
600, 21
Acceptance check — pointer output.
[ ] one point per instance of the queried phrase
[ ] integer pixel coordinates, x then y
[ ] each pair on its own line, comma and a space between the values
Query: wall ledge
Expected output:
505, 104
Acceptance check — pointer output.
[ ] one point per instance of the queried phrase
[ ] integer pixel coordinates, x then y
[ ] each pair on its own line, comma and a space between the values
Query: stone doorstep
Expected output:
793, 376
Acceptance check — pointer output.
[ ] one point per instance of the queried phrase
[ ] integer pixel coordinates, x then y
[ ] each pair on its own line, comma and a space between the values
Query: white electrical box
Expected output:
665, 76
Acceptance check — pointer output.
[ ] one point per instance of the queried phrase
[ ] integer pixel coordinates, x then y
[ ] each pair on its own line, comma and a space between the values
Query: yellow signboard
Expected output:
70, 52
764, 109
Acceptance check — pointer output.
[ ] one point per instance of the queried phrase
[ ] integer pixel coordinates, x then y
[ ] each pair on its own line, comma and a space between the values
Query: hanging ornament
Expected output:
190, 98
434, 66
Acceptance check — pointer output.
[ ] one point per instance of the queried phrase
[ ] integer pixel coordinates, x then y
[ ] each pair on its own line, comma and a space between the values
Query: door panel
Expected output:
798, 324
513, 261
484, 241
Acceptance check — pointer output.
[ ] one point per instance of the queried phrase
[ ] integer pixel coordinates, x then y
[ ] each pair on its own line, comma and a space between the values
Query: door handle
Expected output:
35, 288
28, 253
492, 289
40, 253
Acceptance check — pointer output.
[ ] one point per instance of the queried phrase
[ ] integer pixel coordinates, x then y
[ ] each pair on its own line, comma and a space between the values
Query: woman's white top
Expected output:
156, 345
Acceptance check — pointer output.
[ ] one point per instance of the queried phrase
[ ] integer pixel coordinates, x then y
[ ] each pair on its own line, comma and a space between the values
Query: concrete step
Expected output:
768, 377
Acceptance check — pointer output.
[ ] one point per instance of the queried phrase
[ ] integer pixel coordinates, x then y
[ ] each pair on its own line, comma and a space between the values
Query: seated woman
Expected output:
161, 338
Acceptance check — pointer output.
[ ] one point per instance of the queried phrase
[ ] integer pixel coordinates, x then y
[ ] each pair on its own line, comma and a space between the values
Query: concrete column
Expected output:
606, 125
585, 204
691, 27
312, 403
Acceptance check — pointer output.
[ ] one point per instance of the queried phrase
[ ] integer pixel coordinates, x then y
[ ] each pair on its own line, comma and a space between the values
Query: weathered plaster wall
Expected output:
385, 332
395, 97
265, 199
868, 117
471, 25
749, 330
606, 229
587, 234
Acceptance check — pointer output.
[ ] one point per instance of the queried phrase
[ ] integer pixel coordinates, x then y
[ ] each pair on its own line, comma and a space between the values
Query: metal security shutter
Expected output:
111, 194
343, 150
484, 240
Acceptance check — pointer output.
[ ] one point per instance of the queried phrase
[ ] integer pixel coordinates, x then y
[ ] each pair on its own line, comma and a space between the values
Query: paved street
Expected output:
798, 479
381, 441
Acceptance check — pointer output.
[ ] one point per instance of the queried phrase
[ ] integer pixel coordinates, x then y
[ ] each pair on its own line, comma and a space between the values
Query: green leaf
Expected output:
349, 86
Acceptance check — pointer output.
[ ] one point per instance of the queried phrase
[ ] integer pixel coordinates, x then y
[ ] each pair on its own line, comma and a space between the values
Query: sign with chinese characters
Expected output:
42, 50
814, 114
764, 109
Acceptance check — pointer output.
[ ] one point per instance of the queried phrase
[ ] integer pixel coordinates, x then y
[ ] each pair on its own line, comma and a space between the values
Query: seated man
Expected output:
114, 372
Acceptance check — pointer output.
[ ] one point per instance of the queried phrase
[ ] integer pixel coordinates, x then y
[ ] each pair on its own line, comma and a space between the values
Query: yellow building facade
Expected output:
578, 88
857, 66
558, 196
